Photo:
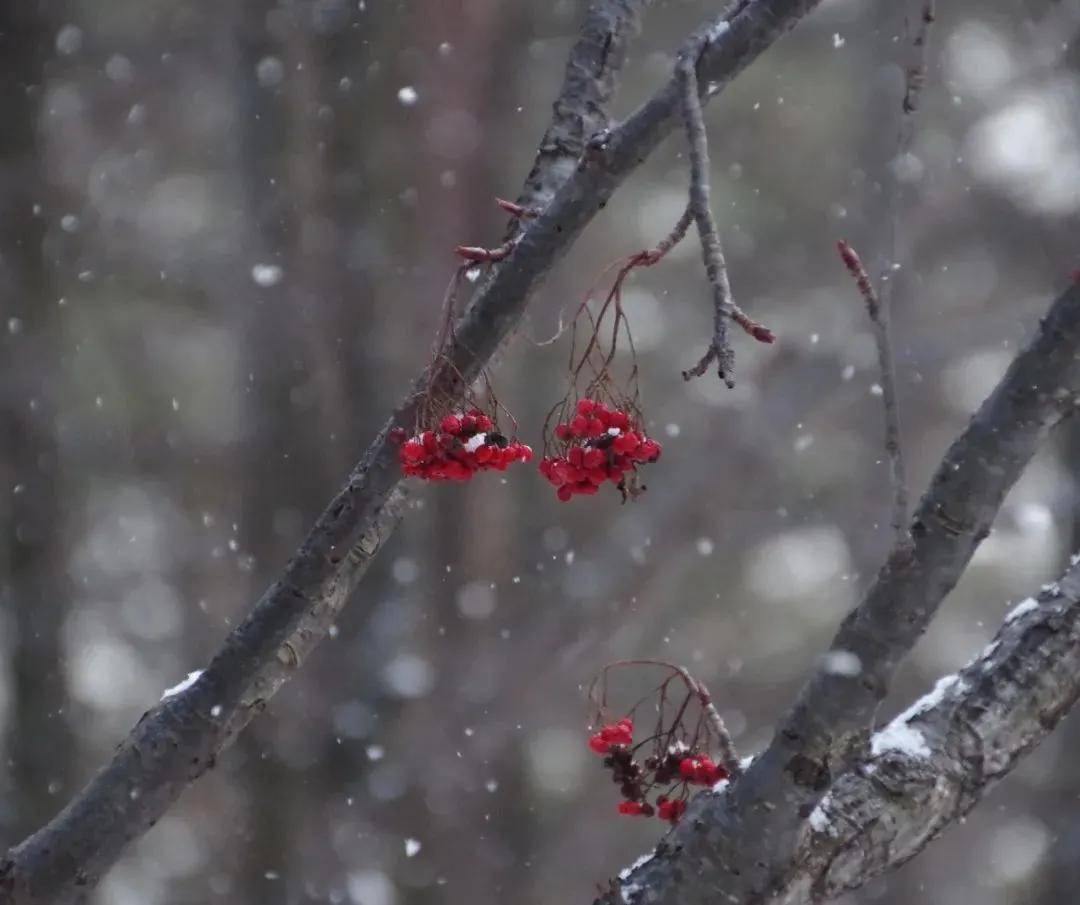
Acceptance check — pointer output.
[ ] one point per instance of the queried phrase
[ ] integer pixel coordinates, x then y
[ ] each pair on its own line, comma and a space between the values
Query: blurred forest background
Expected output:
226, 229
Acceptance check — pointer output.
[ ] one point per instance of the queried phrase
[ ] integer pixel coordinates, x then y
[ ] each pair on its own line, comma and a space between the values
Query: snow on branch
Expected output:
174, 743
741, 844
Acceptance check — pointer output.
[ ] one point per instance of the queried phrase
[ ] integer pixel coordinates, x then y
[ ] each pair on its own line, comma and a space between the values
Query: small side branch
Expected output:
879, 318
712, 252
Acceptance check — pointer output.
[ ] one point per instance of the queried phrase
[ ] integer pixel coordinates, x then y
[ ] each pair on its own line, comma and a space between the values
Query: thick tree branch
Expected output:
582, 108
952, 747
179, 739
933, 763
743, 845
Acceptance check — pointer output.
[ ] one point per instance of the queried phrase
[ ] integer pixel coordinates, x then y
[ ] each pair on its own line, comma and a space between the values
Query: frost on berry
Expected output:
656, 769
464, 445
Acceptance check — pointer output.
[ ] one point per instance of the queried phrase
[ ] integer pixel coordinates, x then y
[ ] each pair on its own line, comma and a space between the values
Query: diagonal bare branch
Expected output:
742, 845
879, 321
180, 738
958, 742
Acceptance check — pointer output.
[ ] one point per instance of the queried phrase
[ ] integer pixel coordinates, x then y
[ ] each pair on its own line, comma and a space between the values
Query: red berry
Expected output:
564, 493
451, 424
620, 420
484, 454
632, 808
430, 441
468, 425
599, 744
595, 428
483, 422
579, 424
593, 458
647, 451
626, 443
562, 432
670, 810
412, 451
586, 407
525, 452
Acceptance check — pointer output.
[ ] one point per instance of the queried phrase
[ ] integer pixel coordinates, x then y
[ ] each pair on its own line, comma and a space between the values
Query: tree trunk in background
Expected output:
35, 589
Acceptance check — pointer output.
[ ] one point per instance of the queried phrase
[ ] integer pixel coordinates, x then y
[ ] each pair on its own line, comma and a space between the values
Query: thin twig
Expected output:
712, 252
180, 738
879, 318
725, 746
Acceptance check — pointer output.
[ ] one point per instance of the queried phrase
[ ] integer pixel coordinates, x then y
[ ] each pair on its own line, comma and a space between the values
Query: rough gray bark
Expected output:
180, 738
741, 847
998, 709
976, 726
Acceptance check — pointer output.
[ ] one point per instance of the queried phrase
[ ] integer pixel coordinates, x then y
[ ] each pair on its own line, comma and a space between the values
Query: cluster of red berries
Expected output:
599, 444
676, 768
616, 735
464, 445
701, 771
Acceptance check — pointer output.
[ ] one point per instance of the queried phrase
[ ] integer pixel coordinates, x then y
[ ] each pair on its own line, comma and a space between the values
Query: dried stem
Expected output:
880, 321
698, 691
712, 252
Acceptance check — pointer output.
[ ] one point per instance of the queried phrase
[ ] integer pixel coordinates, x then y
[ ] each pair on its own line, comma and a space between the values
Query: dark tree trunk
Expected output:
34, 585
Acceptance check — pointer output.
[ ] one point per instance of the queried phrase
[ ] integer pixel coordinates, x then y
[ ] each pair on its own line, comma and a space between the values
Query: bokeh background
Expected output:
226, 231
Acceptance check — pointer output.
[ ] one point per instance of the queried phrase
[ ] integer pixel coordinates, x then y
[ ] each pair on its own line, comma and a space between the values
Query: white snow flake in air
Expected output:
375, 752
407, 96
838, 40
269, 71
412, 847
705, 546
267, 275
842, 663
192, 678
69, 40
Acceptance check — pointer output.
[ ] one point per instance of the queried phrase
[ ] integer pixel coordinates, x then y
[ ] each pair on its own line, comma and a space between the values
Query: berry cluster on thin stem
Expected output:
709, 728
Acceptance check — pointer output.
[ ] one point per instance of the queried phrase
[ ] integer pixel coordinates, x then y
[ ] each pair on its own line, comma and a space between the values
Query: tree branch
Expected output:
700, 208
879, 320
975, 727
179, 739
742, 845
933, 763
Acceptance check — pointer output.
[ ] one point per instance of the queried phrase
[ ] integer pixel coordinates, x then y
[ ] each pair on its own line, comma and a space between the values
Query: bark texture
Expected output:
179, 739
